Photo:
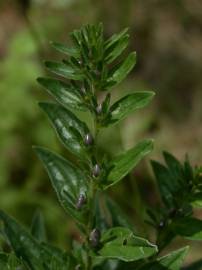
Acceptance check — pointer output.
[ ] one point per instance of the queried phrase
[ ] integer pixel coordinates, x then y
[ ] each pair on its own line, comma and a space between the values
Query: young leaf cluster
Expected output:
180, 188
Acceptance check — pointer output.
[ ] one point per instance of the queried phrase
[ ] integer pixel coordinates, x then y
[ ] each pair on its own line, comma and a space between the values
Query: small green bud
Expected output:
81, 201
95, 238
96, 170
88, 139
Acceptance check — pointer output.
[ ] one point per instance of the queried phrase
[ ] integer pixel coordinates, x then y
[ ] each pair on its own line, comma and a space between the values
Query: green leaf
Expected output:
163, 177
124, 68
67, 180
3, 260
64, 70
37, 256
121, 243
66, 94
38, 229
125, 162
188, 227
109, 214
66, 50
172, 261
194, 266
117, 216
115, 38
114, 48
69, 128
175, 168
24, 245
123, 107
56, 259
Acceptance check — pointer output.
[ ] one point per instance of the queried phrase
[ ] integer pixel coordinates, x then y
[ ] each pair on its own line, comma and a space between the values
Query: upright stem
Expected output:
92, 196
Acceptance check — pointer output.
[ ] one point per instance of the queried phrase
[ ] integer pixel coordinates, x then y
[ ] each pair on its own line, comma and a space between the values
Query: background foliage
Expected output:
166, 36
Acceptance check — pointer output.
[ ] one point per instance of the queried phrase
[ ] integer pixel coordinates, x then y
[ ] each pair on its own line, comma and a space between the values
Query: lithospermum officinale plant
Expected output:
109, 240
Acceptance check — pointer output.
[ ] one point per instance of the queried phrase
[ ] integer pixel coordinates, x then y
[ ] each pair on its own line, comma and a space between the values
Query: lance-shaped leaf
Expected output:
66, 50
118, 217
163, 177
175, 168
125, 162
37, 256
121, 243
64, 70
24, 245
69, 128
116, 50
38, 229
68, 181
109, 214
188, 227
66, 94
130, 103
115, 46
121, 71
172, 261
115, 38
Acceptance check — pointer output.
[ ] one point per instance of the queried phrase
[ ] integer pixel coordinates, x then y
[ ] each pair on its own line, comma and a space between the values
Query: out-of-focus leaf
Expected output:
3, 260
64, 70
109, 214
24, 245
68, 181
37, 256
172, 261
124, 68
188, 227
64, 93
125, 162
38, 229
69, 128
66, 50
123, 107
58, 259
118, 218
121, 243
175, 168
162, 175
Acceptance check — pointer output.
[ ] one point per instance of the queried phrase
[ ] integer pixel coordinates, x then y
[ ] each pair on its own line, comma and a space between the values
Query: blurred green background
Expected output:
167, 37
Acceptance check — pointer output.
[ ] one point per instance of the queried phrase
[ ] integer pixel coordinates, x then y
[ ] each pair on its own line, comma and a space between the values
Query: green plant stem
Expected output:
92, 196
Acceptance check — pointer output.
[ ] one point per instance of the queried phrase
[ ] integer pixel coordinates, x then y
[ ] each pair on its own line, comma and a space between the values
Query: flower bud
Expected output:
96, 170
81, 201
95, 238
88, 139
99, 109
